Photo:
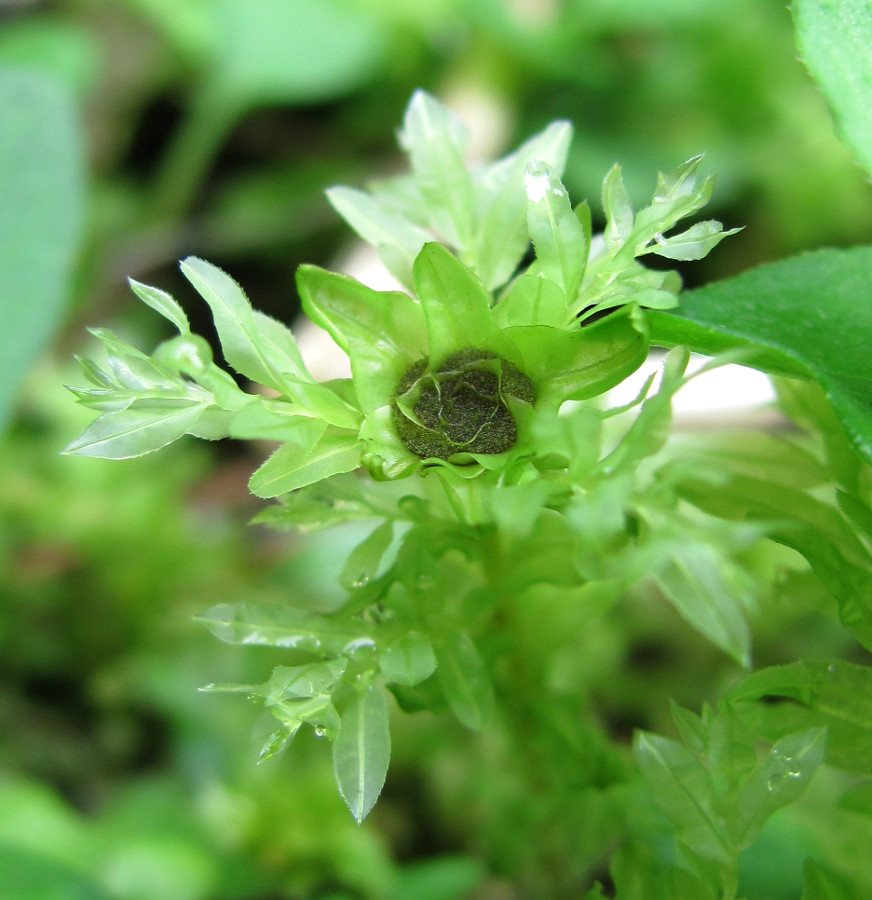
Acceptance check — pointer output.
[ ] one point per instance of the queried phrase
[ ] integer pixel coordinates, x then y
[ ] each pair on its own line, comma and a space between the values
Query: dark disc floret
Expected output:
461, 406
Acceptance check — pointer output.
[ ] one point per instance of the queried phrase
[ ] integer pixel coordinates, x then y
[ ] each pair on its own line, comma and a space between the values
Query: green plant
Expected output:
513, 511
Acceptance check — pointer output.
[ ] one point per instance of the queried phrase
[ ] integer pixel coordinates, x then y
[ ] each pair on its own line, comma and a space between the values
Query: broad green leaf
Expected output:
782, 776
265, 419
557, 234
408, 660
435, 141
834, 41
710, 592
837, 688
144, 426
683, 789
833, 694
42, 182
383, 332
457, 307
397, 240
258, 347
502, 203
272, 625
163, 303
293, 51
362, 751
294, 466
364, 560
318, 506
465, 680
809, 317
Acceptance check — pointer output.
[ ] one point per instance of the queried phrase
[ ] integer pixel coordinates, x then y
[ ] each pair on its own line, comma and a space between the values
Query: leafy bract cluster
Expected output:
525, 496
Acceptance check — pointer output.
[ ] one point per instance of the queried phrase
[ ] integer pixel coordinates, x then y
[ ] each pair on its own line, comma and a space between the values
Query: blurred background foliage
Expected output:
134, 132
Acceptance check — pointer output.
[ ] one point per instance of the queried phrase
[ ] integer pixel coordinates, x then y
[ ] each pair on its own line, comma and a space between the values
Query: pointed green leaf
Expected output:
683, 789
782, 776
694, 243
294, 466
362, 751
364, 560
710, 592
457, 307
162, 302
277, 743
271, 625
435, 141
408, 660
618, 209
773, 307
397, 239
557, 234
465, 680
257, 346
503, 237
383, 332
142, 427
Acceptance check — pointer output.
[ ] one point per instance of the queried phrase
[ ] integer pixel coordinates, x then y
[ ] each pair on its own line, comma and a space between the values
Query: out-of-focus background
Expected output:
136, 132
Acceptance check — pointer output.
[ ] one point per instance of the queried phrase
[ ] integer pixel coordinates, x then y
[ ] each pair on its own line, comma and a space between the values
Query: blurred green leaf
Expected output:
363, 562
293, 51
834, 41
684, 790
42, 182
408, 660
362, 751
780, 779
465, 680
807, 314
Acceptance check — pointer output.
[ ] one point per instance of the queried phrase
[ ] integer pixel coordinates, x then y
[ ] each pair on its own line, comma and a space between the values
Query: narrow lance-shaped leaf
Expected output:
435, 139
694, 243
163, 303
362, 751
618, 209
503, 237
258, 347
557, 234
782, 776
144, 426
272, 625
397, 240
294, 466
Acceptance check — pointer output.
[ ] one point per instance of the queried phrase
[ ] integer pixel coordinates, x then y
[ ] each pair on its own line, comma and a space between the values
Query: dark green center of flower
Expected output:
461, 407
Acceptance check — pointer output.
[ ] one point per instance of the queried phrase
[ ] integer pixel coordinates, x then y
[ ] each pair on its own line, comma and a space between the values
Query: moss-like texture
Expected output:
461, 406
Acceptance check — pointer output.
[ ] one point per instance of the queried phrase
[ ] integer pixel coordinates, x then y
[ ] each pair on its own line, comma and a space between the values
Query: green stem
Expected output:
189, 157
